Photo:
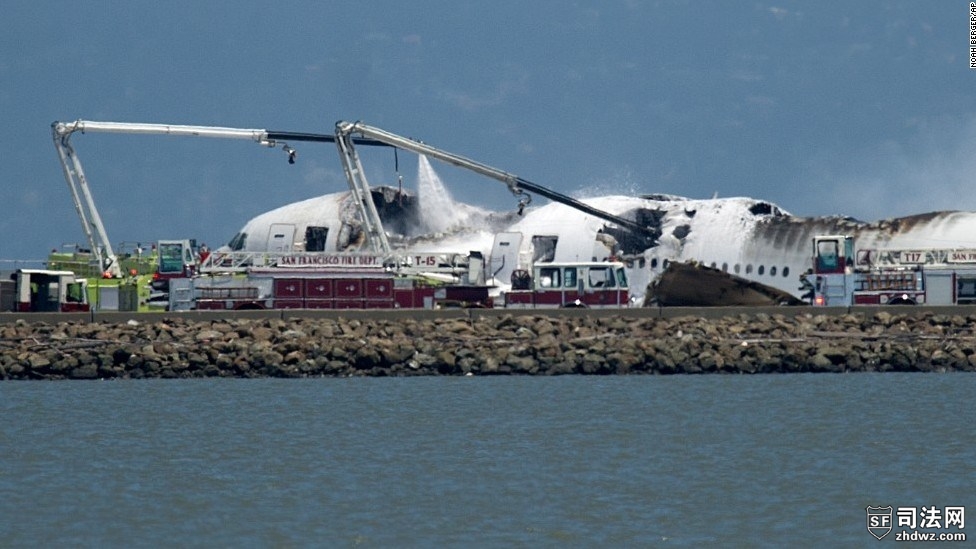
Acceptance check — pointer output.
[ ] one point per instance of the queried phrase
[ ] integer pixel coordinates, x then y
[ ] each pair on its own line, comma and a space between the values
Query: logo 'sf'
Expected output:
879, 521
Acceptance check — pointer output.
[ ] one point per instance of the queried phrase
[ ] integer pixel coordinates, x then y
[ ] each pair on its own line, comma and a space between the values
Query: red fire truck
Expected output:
554, 285
321, 280
843, 276
276, 288
313, 280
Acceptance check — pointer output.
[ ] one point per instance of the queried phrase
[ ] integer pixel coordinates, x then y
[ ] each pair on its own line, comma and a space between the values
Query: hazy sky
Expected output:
865, 109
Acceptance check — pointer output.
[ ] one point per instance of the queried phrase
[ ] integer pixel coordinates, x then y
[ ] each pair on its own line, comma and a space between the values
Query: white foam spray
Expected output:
439, 211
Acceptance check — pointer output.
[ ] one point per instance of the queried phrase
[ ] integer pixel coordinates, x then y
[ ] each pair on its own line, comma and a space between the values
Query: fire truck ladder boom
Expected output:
517, 185
81, 194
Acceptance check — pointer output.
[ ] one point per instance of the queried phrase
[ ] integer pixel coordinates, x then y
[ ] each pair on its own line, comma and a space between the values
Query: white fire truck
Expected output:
50, 291
843, 276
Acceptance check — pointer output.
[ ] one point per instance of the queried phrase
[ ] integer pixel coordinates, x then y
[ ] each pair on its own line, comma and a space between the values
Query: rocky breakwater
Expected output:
488, 345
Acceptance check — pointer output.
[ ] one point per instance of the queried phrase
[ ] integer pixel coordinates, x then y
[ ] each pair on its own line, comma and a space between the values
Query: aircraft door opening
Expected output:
315, 238
505, 255
280, 237
544, 248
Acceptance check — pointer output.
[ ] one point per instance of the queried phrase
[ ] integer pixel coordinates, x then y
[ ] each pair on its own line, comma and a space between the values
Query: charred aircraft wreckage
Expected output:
694, 252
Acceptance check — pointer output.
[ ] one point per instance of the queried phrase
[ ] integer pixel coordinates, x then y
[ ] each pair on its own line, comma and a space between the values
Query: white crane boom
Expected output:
91, 221
65, 129
74, 174
517, 185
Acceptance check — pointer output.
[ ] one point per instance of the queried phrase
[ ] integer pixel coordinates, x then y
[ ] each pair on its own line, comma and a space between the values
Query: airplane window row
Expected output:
737, 268
761, 270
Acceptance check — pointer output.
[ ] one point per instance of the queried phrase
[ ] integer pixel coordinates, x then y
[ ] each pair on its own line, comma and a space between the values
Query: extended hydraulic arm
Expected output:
517, 185
91, 221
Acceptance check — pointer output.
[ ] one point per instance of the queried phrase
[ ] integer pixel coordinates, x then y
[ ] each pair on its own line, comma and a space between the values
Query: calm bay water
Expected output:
581, 461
